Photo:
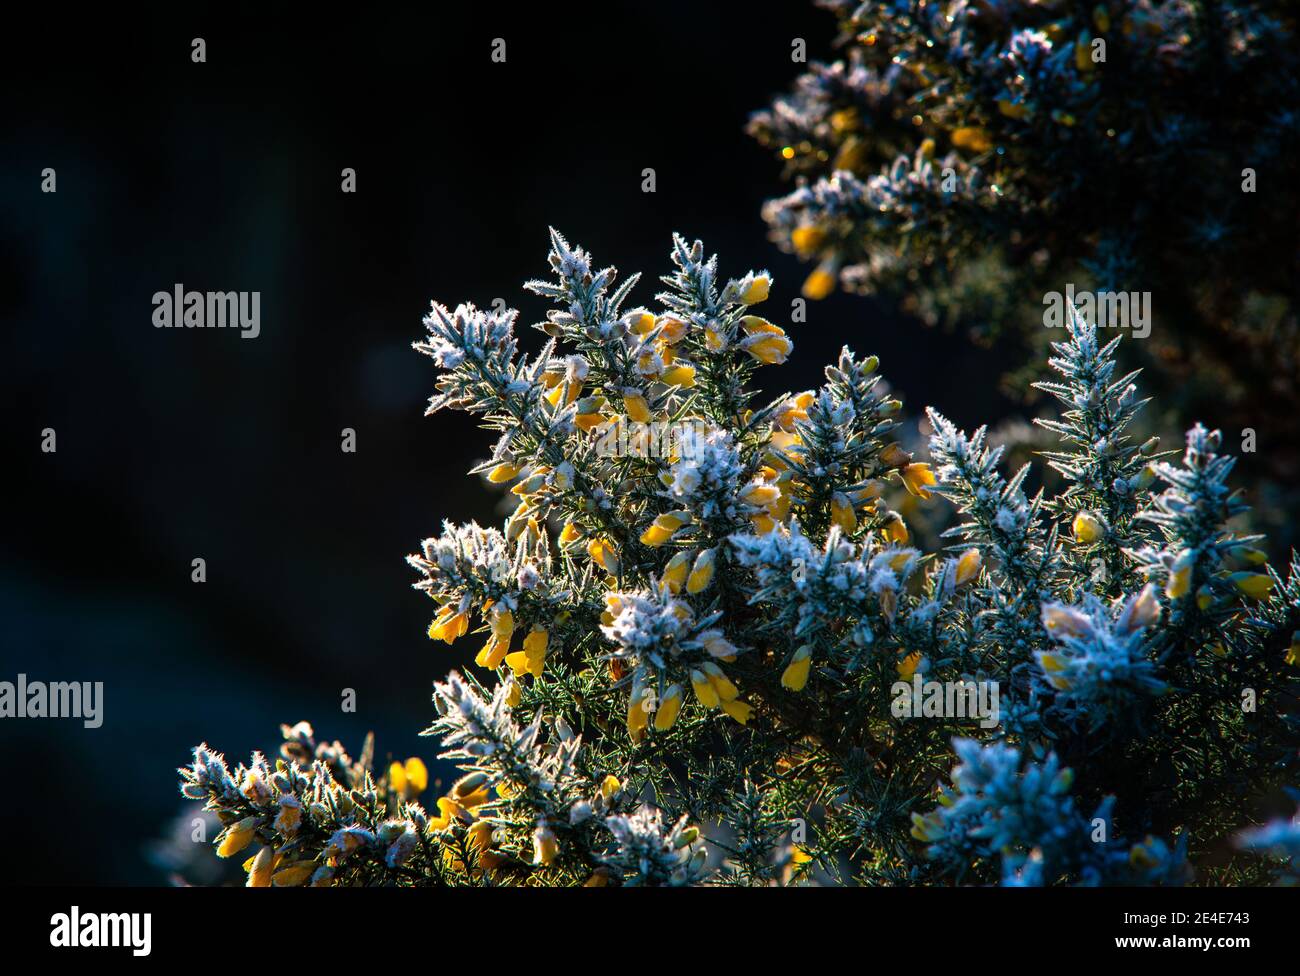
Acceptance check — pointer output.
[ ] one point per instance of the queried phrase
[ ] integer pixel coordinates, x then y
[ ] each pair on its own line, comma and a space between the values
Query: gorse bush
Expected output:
727, 663
972, 156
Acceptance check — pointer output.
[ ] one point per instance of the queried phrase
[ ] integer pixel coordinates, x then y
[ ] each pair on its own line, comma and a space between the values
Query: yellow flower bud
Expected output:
448, 625
682, 376
637, 408
795, 676
968, 566
641, 323
770, 349
1012, 110
669, 706
637, 716
757, 290
842, 513
704, 690
820, 283
674, 574
738, 710
895, 530
503, 472
1180, 576
663, 527
603, 555
916, 477
1254, 585
907, 667
721, 683
1087, 528
293, 875
759, 494
702, 572
975, 139
807, 240
259, 872
238, 836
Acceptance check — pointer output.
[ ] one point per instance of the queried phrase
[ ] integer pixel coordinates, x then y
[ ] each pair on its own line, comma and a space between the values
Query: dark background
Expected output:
176, 443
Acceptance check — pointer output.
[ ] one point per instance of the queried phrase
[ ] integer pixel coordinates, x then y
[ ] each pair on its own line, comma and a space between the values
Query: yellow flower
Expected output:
968, 566
704, 690
970, 137
892, 455
807, 240
502, 623
895, 530
570, 533
842, 513
1011, 109
669, 706
1087, 528
1254, 585
410, 779
675, 572
637, 408
738, 710
907, 667
702, 572
1293, 652
757, 325
820, 283
293, 875
259, 872
513, 694
714, 341
721, 683
448, 625
681, 376
770, 349
503, 472
1140, 610
637, 715
1061, 620
609, 786
603, 555
1180, 576
916, 477
663, 527
795, 676
642, 322
759, 495
757, 290
599, 879
671, 330
238, 836
492, 654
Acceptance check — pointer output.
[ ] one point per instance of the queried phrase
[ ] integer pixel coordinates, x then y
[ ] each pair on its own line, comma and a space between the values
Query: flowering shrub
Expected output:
975, 155
691, 663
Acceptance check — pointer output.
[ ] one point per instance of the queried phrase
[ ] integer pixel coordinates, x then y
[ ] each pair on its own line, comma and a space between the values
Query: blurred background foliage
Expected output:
964, 158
